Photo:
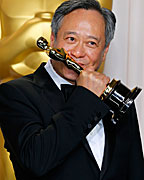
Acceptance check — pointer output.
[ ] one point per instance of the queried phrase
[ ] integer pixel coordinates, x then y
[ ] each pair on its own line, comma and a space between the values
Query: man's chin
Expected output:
71, 76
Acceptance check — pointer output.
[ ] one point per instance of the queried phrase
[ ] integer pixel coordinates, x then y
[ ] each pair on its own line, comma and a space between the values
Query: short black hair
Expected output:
71, 5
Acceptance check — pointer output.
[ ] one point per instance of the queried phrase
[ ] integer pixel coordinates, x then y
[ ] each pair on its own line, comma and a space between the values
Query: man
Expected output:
54, 135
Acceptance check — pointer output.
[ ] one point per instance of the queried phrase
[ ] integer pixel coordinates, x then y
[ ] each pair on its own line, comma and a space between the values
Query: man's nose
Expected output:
78, 51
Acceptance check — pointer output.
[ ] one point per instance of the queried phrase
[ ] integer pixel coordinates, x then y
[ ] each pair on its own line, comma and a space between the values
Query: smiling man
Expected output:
83, 41
54, 133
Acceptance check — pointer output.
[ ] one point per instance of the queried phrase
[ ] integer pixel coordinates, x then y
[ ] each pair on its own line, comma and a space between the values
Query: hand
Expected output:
92, 80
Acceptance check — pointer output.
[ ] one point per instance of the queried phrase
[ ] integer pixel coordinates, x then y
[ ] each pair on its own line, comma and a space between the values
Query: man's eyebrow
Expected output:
88, 36
70, 32
94, 37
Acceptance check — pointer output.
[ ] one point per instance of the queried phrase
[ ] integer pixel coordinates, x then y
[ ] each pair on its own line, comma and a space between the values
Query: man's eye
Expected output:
92, 43
71, 38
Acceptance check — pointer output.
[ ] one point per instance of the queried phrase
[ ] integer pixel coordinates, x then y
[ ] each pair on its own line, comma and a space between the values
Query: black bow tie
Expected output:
67, 90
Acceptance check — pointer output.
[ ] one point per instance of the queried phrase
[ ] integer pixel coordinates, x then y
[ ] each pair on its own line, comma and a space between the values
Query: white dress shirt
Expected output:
96, 138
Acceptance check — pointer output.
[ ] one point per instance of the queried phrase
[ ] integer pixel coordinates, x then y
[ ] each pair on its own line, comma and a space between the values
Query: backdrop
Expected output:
125, 60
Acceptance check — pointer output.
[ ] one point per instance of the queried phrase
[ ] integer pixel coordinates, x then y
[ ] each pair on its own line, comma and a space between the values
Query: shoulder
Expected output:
20, 82
17, 87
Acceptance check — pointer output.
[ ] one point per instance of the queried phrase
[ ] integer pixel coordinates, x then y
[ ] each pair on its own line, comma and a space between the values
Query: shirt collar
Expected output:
56, 78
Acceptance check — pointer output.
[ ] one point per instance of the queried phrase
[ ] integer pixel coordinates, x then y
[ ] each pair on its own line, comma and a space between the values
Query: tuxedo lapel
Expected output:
51, 93
54, 97
109, 146
87, 147
108, 150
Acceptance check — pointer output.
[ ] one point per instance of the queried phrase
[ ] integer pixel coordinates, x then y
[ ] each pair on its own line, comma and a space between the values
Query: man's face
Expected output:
82, 35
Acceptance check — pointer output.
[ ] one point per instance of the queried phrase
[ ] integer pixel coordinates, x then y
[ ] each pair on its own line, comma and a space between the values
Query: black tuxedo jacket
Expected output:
45, 133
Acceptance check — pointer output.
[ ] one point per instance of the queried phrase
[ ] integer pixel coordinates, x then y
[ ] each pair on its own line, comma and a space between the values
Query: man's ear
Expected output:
52, 39
105, 52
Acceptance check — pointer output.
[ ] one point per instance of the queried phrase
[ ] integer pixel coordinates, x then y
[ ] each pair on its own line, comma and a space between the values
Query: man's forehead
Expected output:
82, 13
